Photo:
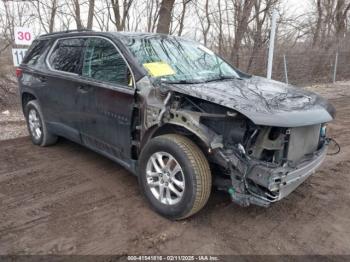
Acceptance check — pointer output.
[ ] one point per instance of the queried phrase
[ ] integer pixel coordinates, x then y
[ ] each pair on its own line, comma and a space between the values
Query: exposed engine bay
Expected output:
255, 164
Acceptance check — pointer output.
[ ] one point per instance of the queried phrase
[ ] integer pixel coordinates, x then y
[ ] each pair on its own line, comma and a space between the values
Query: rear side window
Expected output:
66, 55
35, 51
103, 62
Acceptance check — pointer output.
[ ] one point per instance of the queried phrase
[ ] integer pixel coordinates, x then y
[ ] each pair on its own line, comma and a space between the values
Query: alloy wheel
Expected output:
34, 124
165, 178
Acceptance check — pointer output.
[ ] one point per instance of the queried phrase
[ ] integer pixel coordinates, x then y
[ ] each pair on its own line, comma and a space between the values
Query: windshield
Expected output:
179, 61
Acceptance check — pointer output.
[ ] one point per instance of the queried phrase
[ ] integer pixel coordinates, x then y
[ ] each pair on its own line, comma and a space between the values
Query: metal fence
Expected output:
301, 68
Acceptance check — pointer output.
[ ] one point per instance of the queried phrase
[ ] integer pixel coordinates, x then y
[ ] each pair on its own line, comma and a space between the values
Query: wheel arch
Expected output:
171, 128
26, 97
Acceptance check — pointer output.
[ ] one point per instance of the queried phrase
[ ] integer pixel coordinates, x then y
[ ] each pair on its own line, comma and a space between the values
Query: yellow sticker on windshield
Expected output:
157, 69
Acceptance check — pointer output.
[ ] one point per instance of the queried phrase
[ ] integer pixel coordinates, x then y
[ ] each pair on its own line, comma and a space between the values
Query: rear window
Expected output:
35, 51
66, 55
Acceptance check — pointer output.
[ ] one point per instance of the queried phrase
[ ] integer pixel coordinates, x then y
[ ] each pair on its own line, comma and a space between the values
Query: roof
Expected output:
118, 34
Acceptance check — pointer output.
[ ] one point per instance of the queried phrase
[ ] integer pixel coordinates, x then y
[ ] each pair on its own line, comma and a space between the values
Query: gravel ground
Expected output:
12, 124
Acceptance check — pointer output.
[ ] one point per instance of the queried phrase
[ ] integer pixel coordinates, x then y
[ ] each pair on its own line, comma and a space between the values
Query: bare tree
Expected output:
262, 8
331, 20
183, 15
165, 13
77, 14
204, 20
341, 12
152, 14
220, 27
90, 14
47, 12
101, 16
318, 23
120, 14
242, 17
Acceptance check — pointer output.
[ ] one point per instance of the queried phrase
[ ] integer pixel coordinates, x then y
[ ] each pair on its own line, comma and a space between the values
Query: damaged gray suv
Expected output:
175, 114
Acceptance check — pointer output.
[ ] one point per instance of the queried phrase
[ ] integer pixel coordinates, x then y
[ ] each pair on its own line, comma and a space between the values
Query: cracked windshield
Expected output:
179, 61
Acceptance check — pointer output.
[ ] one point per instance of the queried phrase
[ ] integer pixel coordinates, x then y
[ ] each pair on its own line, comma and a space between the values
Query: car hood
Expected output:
265, 102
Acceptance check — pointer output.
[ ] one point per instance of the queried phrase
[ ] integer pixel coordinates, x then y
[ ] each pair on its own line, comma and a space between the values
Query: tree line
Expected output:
236, 29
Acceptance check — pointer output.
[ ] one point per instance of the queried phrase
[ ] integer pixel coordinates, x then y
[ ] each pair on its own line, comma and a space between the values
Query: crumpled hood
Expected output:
265, 102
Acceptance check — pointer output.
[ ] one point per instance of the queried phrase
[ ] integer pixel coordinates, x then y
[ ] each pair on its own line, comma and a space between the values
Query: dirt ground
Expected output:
66, 199
12, 124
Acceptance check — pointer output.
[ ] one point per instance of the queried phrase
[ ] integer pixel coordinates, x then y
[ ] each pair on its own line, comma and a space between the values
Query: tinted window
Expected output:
66, 55
35, 51
103, 62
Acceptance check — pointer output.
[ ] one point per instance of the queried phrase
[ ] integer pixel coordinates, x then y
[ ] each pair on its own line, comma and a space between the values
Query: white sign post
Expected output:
271, 44
23, 36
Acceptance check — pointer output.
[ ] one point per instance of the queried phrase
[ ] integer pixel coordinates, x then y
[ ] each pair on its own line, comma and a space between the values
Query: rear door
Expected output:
33, 68
62, 82
106, 99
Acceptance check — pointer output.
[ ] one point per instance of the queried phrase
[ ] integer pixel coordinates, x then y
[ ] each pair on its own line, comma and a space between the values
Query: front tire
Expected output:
174, 176
36, 125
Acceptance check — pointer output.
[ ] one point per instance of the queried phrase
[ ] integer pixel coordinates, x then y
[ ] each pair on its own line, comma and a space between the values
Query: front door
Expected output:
105, 99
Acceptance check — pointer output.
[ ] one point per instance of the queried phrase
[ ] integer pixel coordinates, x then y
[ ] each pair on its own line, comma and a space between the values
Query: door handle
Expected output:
42, 79
84, 88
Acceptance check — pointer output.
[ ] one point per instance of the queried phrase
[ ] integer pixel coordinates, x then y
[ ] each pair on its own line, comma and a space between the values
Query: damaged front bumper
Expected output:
262, 184
294, 178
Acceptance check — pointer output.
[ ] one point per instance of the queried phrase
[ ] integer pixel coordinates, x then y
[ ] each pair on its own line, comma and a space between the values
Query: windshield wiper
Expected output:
221, 78
183, 82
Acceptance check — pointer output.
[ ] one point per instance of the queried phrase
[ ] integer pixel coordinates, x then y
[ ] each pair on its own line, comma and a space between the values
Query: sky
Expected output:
291, 7
297, 6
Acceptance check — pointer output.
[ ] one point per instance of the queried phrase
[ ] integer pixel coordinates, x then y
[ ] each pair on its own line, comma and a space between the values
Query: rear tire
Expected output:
177, 164
36, 125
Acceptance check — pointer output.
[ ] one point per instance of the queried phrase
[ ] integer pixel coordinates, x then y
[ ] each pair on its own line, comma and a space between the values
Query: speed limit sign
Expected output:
23, 36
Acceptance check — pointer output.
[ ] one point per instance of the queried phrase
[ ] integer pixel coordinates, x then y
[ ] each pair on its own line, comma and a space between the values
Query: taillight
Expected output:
18, 72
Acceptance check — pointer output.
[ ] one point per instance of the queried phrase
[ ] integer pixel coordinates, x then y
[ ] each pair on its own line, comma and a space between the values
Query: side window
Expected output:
35, 51
103, 62
66, 55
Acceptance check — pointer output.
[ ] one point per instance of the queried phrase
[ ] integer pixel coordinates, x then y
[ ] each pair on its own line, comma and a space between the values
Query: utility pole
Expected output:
335, 67
271, 44
285, 68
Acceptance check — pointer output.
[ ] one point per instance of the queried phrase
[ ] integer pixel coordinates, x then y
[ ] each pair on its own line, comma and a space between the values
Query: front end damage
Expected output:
255, 164
259, 164
261, 182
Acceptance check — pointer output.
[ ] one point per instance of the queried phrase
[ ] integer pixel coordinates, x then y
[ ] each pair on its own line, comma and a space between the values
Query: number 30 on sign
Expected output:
23, 36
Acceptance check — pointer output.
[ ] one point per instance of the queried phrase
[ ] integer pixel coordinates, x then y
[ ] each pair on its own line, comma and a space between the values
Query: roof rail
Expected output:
67, 31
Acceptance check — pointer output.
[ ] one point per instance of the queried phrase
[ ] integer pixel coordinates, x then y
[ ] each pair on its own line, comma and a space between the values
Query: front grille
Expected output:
303, 141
